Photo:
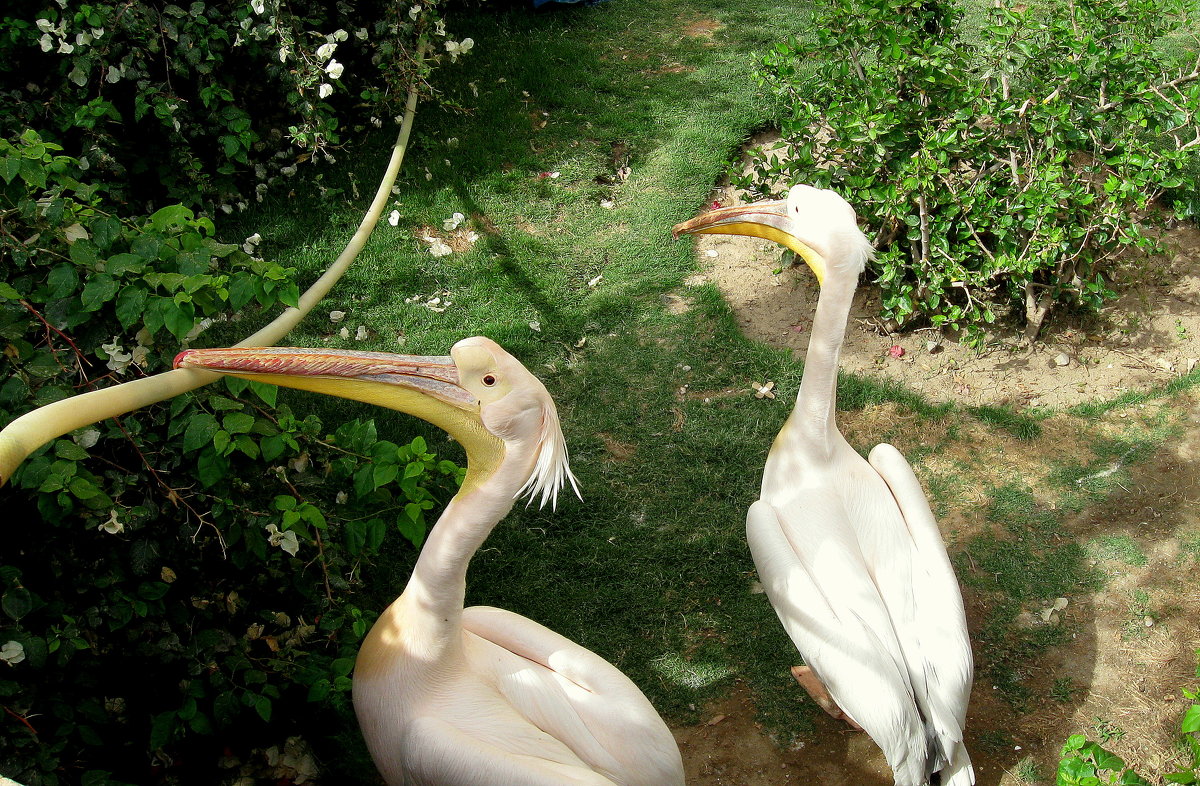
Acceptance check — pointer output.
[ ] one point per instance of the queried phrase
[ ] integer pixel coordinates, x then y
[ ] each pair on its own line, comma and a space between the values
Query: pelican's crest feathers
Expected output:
551, 472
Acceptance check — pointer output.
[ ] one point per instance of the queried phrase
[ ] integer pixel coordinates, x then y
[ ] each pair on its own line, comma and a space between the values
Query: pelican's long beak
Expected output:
426, 387
768, 220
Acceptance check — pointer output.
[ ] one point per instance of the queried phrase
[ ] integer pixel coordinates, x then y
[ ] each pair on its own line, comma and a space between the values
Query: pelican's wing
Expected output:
576, 696
940, 622
438, 754
815, 578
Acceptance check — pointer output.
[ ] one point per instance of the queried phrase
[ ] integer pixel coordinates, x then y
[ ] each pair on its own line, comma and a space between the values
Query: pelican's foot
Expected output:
809, 681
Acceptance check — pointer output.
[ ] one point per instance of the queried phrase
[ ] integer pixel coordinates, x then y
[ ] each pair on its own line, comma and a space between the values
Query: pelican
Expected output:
847, 548
478, 696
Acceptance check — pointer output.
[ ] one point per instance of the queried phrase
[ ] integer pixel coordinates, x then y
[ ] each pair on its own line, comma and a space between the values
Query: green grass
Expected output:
1120, 548
651, 569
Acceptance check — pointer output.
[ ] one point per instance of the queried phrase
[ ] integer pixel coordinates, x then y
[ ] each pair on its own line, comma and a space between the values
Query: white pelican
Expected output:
478, 696
847, 548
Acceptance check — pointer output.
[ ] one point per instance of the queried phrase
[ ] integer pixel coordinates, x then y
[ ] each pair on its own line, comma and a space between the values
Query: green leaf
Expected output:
161, 729
62, 280
17, 602
99, 289
238, 422
105, 230
66, 449
179, 319
7, 292
83, 488
1191, 720
384, 474
262, 705
241, 291
131, 304
342, 667
200, 430
285, 502
171, 216
272, 447
10, 167
318, 690
267, 393
211, 467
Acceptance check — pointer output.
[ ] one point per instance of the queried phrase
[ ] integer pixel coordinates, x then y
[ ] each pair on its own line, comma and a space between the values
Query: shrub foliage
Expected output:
183, 578
1001, 169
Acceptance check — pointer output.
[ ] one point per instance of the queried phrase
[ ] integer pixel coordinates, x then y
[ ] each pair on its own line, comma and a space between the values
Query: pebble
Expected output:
1063, 359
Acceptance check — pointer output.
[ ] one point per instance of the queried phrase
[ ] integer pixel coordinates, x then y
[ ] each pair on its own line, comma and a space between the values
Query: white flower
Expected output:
249, 244
83, 39
595, 280
258, 6
341, 498
440, 28
325, 90
414, 12
454, 222
438, 248
344, 332
118, 358
456, 48
140, 354
46, 42
44, 25
284, 540
394, 217
361, 333
607, 204
113, 76
289, 170
12, 653
283, 54
361, 34
340, 35
64, 48
334, 69
113, 525
326, 50
535, 326
336, 316
471, 237
377, 122
85, 439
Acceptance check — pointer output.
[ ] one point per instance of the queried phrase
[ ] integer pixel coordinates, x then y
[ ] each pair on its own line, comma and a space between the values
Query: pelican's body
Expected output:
450, 696
847, 549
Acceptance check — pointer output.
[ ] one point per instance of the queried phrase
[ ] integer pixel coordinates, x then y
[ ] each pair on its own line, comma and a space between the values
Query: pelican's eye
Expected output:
489, 380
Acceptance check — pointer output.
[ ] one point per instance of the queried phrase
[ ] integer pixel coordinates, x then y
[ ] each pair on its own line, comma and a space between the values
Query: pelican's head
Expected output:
481, 395
817, 224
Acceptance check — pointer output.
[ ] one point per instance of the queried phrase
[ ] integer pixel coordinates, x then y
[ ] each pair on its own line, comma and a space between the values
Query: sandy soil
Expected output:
1124, 673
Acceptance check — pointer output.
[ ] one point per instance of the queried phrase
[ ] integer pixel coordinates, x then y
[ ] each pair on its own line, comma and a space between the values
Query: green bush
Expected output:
208, 102
1002, 170
174, 580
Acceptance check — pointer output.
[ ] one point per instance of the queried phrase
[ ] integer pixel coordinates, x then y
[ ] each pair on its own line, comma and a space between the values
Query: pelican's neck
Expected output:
432, 603
816, 403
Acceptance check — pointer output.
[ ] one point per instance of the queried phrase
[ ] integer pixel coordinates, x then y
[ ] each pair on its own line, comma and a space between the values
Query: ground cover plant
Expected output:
593, 131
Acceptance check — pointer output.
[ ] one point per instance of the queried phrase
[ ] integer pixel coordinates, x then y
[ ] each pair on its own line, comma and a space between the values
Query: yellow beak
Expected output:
426, 387
768, 220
